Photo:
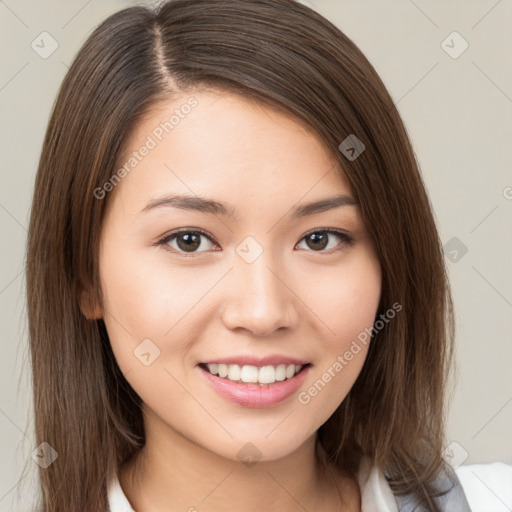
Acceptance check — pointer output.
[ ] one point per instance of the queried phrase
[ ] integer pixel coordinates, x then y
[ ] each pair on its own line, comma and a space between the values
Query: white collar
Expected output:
117, 501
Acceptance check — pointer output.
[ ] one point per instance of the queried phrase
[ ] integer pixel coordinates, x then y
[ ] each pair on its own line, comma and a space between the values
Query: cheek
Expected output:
347, 306
345, 298
145, 299
144, 295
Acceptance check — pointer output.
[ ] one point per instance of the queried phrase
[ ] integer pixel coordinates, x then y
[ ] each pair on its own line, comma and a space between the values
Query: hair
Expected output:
286, 56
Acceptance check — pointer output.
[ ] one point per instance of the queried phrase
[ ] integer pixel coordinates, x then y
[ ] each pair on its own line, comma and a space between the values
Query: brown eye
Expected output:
317, 241
186, 241
320, 239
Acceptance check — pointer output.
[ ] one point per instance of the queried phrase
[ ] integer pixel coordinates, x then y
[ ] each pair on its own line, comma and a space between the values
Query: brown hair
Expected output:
287, 56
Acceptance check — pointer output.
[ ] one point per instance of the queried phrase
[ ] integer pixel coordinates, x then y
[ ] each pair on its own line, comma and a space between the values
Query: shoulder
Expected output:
376, 493
452, 499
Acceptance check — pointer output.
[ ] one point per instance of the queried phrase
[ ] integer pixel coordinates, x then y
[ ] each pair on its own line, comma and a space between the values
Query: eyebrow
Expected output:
202, 204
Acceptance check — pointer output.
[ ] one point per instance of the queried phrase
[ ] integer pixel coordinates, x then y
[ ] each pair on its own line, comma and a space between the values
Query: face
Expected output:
250, 283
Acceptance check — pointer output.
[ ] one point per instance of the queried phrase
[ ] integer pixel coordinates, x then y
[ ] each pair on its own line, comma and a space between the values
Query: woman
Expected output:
236, 290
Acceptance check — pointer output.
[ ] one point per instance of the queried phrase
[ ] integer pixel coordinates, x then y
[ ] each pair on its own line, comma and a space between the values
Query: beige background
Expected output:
458, 112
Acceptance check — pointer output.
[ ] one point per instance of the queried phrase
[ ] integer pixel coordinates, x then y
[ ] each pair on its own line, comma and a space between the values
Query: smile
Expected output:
268, 374
262, 387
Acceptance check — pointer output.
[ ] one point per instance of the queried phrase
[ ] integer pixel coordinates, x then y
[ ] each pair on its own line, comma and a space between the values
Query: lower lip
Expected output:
256, 395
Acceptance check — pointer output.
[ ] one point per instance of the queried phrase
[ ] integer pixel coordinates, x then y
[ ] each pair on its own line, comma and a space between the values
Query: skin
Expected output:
293, 299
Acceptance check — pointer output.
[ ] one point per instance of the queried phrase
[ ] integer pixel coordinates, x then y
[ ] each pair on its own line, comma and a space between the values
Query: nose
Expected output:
260, 298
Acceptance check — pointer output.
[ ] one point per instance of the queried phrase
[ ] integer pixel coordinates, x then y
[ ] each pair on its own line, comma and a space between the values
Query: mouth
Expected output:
248, 385
251, 374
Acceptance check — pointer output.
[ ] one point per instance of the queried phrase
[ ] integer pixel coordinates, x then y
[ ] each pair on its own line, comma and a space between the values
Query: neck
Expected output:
172, 473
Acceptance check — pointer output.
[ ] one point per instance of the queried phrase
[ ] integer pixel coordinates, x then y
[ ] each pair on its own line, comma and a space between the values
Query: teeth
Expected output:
266, 375
254, 374
223, 370
248, 374
281, 372
234, 372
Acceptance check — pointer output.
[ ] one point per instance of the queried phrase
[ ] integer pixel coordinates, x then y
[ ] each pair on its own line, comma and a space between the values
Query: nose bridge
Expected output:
258, 299
260, 280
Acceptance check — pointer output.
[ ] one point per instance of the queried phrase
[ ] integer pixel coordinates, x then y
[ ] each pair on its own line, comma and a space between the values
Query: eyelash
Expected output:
347, 239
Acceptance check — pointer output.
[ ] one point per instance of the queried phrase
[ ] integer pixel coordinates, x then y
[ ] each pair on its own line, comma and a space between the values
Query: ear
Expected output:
90, 309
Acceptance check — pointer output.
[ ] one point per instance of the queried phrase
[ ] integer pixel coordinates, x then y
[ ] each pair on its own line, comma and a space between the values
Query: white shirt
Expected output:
376, 495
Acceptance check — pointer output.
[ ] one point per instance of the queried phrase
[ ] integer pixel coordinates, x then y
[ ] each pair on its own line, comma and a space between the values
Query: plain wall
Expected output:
458, 112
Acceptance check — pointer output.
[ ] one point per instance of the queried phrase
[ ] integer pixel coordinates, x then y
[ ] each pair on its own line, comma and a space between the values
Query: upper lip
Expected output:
271, 360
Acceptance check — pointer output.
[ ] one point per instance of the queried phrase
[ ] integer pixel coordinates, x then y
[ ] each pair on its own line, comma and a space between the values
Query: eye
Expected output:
187, 240
319, 239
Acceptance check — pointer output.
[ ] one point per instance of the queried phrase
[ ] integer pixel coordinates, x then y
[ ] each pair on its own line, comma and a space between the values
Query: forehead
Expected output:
211, 142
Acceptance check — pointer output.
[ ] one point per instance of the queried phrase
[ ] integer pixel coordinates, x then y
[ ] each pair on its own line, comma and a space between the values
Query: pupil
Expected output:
191, 242
315, 237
